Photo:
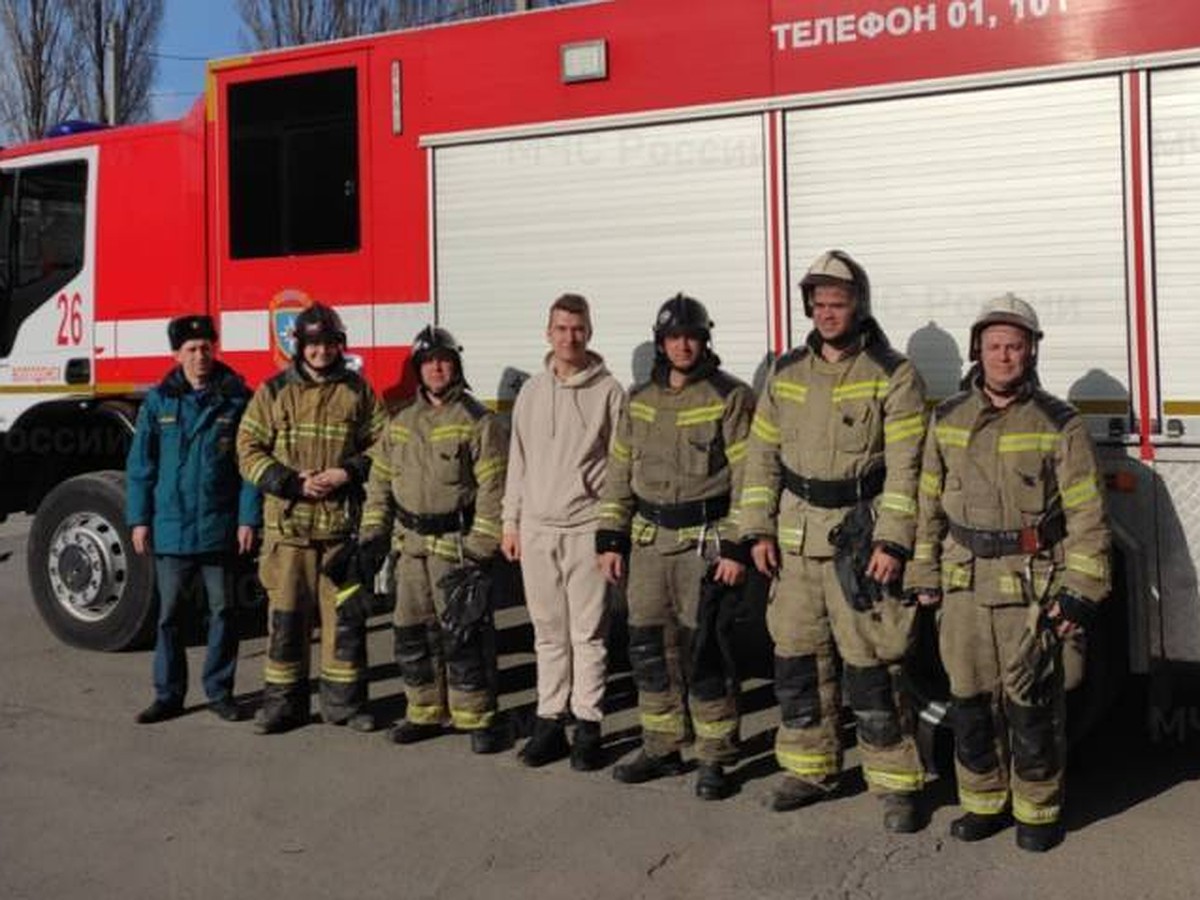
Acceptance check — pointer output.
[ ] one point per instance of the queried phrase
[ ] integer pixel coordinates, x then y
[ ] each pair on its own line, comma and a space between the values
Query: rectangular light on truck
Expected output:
584, 61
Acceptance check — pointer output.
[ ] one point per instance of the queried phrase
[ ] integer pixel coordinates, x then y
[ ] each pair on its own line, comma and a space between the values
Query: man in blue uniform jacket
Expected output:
187, 504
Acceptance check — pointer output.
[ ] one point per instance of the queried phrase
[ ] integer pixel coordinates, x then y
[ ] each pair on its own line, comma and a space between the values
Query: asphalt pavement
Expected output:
93, 805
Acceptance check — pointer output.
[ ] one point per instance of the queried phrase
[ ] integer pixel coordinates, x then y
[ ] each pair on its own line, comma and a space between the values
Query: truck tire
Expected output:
90, 587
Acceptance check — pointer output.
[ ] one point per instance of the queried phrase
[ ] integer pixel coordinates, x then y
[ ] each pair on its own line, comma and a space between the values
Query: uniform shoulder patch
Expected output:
951, 403
474, 408
885, 356
1060, 412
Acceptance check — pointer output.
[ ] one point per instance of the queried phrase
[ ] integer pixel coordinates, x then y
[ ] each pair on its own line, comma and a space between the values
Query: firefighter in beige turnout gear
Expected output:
303, 441
434, 493
674, 473
838, 431
1012, 539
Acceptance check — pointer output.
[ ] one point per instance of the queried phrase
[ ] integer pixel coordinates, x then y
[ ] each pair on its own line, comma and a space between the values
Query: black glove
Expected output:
1076, 609
372, 554
468, 591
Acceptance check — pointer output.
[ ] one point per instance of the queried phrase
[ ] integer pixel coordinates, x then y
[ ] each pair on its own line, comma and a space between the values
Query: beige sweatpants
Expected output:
565, 594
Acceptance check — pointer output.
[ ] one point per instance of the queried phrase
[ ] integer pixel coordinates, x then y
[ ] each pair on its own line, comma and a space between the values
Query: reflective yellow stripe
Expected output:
982, 803
898, 503
382, 470
469, 720
348, 675
613, 510
316, 432
281, 673
662, 723
400, 434
903, 429
923, 551
790, 390
951, 436
256, 428
451, 433
807, 764
1092, 566
345, 594
1021, 442
1080, 492
700, 415
438, 546
790, 538
714, 731
1030, 813
904, 782
423, 715
957, 576
642, 531
373, 518
260, 468
735, 452
621, 452
490, 527
643, 412
931, 484
757, 495
860, 390
486, 469
762, 429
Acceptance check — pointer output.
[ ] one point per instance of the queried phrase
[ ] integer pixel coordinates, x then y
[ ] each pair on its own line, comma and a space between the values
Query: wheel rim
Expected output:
88, 566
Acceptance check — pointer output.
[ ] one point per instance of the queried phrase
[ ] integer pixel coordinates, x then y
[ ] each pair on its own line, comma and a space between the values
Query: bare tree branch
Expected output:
135, 25
34, 66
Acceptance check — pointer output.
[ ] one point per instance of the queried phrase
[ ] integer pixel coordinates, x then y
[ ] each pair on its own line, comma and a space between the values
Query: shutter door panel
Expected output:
626, 218
1175, 143
951, 200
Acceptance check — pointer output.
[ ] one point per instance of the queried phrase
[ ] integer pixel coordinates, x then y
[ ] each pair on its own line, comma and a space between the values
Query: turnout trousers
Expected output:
809, 619
1000, 745
441, 683
299, 597
664, 597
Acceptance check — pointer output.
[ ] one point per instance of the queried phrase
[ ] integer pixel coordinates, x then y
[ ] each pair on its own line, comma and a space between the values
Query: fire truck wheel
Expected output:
90, 587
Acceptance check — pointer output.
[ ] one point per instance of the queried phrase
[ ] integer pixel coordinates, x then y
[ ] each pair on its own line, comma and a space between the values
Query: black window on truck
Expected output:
43, 223
293, 165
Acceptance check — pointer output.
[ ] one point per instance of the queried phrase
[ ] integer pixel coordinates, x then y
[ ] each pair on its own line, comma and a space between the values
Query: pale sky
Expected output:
197, 29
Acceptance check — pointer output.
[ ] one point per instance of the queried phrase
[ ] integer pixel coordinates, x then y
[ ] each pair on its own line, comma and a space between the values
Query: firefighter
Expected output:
1012, 541
829, 499
436, 486
304, 441
673, 475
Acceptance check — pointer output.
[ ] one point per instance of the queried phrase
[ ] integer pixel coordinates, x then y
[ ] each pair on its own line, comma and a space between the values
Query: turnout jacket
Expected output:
834, 421
438, 461
674, 447
1020, 467
295, 424
181, 474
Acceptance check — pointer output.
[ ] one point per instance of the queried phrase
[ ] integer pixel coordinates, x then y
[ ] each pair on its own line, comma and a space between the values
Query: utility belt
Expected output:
991, 544
458, 521
684, 515
836, 493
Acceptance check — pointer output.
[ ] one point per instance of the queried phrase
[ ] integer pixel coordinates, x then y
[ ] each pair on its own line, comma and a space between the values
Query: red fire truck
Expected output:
467, 174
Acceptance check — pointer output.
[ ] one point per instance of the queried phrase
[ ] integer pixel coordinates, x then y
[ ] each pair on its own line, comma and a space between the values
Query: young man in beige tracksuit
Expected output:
562, 424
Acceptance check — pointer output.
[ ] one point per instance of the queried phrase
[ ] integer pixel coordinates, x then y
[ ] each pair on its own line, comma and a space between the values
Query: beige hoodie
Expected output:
558, 455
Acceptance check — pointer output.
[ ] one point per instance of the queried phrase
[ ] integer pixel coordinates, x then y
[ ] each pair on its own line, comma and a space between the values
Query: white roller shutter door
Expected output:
626, 217
951, 200
1175, 149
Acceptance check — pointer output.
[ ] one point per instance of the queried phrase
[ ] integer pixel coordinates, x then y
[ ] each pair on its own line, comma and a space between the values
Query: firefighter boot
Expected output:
711, 782
1039, 838
585, 748
406, 732
361, 722
971, 827
794, 793
647, 768
277, 721
548, 743
487, 740
901, 813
